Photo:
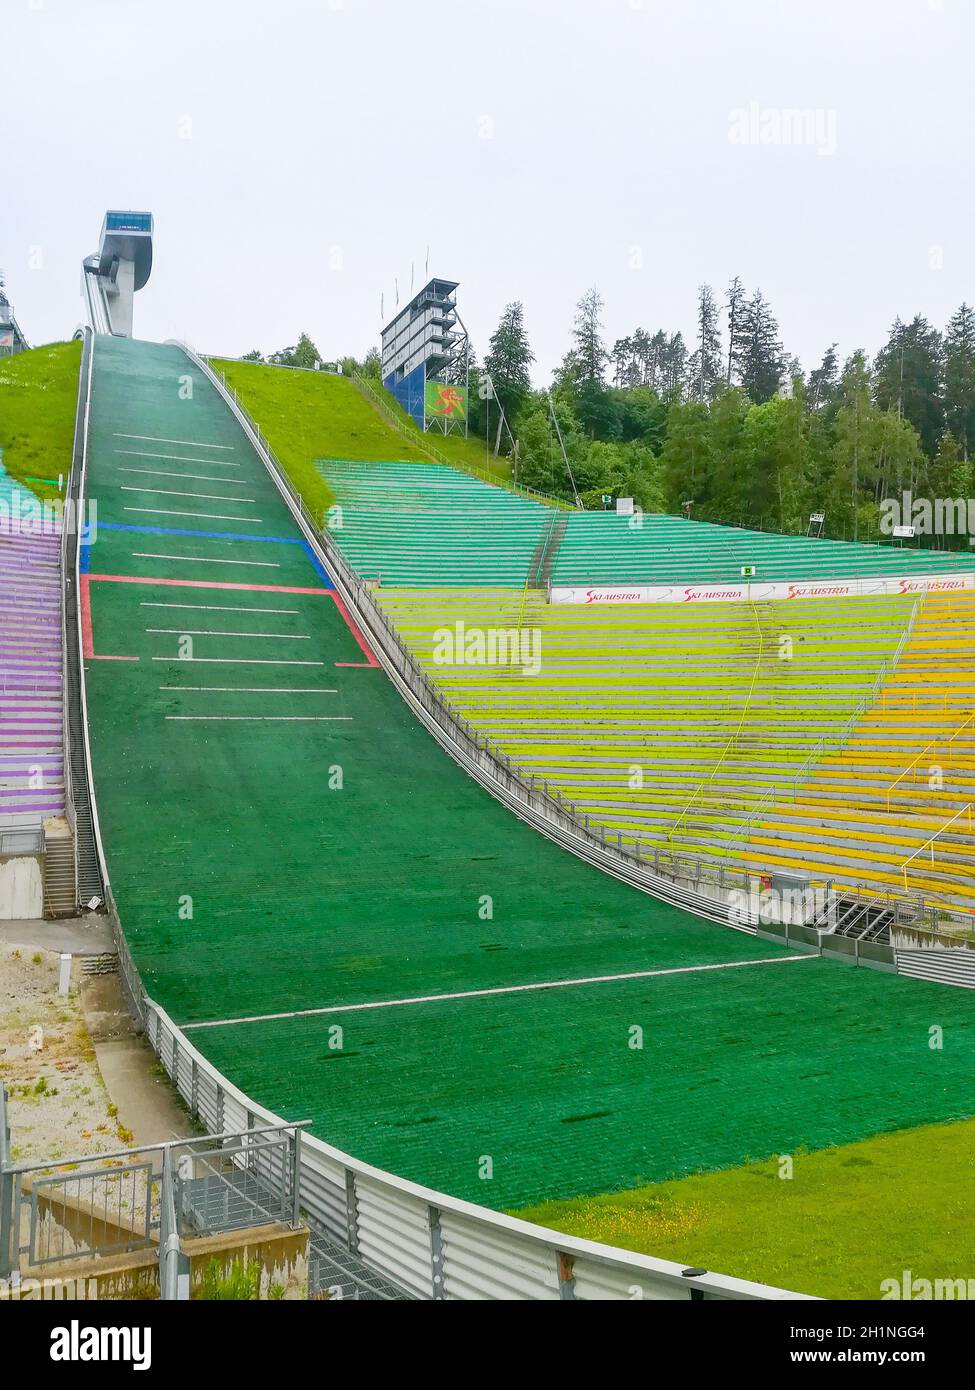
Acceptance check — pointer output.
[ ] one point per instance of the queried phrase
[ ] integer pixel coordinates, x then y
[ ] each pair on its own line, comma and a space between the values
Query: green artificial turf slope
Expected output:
249, 882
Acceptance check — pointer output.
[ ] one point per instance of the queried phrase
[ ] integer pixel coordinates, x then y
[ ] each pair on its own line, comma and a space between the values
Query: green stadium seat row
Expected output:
663, 723
425, 524
603, 548
422, 524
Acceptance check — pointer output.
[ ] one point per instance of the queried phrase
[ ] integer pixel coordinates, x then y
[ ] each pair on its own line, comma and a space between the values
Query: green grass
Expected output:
460, 450
849, 1217
38, 398
311, 415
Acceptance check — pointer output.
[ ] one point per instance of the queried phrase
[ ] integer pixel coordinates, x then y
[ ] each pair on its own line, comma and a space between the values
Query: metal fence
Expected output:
146, 1197
15, 840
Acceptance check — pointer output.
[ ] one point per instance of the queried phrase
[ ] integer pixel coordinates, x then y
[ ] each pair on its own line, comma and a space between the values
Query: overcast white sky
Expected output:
300, 154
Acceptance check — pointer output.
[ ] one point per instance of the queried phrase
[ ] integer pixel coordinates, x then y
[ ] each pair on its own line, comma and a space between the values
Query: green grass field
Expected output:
38, 398
316, 415
848, 1218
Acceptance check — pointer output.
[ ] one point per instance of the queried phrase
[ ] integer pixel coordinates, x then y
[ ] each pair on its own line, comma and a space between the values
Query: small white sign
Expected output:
904, 532
624, 506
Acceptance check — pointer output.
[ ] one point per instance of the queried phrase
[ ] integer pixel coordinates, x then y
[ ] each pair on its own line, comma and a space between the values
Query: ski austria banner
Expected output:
760, 593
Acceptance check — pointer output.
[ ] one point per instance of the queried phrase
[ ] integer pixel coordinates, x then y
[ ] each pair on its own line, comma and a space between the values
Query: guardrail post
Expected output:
296, 1178
567, 1278
352, 1212
195, 1090
8, 1196
436, 1254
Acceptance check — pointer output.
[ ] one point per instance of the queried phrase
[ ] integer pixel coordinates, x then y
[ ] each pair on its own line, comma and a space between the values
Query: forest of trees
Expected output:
730, 424
727, 426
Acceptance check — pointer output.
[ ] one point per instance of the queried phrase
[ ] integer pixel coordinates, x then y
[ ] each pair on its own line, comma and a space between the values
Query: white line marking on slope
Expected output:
262, 718
211, 632
177, 458
159, 439
258, 689
235, 661
501, 989
205, 560
172, 492
197, 477
216, 607
202, 516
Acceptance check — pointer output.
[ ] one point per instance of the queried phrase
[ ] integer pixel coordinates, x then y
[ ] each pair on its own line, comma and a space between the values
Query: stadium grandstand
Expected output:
808, 751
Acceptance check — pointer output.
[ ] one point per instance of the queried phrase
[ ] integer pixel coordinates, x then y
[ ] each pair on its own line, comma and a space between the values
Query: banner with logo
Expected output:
445, 402
761, 593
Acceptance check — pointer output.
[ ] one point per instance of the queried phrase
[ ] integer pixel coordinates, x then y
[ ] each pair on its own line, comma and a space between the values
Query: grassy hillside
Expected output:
310, 415
848, 1218
38, 398
467, 453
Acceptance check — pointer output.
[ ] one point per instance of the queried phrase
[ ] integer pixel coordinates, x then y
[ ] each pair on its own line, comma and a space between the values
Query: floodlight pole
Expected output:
565, 457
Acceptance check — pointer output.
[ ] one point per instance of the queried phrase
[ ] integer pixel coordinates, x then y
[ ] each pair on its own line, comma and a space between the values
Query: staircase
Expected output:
60, 894
31, 729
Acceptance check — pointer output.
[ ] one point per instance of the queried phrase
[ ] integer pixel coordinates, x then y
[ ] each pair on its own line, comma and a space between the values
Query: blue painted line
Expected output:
208, 535
317, 565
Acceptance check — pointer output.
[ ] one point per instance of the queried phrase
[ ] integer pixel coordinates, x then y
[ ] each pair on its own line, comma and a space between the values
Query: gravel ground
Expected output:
58, 1105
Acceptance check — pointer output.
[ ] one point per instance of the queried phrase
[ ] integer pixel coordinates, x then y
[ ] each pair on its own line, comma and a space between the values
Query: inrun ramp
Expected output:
284, 839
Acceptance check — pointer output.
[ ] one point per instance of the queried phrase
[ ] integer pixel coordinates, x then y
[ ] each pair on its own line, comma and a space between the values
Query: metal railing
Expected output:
911, 769
77, 751
143, 1197
427, 1243
932, 841
741, 724
16, 840
837, 741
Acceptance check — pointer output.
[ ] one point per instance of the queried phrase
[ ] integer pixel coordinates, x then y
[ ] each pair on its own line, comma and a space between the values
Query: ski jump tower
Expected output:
119, 268
425, 359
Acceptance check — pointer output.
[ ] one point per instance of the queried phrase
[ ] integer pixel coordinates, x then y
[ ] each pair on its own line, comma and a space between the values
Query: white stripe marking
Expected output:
171, 492
158, 439
210, 632
262, 718
257, 689
177, 458
216, 608
197, 477
203, 516
205, 560
485, 993
235, 661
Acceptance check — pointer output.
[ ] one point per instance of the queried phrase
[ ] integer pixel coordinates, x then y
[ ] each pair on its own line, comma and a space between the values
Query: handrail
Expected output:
933, 745
937, 834
79, 632
886, 667
741, 723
